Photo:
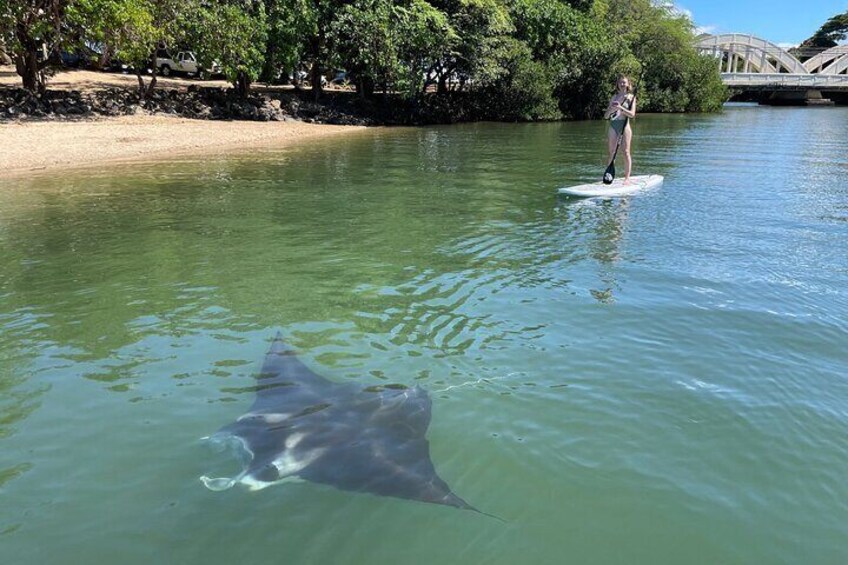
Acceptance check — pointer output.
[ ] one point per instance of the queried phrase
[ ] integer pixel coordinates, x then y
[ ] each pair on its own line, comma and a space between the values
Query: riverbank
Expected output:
31, 146
81, 94
93, 119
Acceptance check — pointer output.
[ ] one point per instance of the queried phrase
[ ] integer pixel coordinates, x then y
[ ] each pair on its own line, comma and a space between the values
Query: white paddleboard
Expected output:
617, 188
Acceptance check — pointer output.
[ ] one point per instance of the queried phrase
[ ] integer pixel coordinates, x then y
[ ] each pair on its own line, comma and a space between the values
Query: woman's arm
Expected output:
629, 112
611, 109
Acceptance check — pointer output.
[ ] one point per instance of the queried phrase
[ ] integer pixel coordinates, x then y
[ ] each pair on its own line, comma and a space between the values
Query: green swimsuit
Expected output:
619, 123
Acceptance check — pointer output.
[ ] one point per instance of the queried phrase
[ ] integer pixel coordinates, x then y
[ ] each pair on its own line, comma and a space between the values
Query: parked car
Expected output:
185, 62
97, 57
304, 77
73, 59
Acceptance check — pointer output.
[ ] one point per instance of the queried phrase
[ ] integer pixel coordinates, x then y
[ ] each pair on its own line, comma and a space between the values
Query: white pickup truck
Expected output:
185, 62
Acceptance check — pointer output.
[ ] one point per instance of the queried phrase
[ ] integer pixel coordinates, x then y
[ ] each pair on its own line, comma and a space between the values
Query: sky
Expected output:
784, 22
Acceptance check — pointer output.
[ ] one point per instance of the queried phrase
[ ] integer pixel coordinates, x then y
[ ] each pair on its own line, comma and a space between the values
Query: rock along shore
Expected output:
203, 103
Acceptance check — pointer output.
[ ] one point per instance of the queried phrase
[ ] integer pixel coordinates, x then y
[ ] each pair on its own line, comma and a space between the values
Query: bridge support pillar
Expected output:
797, 98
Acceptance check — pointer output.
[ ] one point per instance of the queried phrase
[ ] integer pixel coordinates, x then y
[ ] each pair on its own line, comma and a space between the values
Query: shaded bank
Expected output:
211, 103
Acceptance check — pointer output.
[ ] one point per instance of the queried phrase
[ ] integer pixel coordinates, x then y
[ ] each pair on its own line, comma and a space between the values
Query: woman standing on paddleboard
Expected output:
621, 108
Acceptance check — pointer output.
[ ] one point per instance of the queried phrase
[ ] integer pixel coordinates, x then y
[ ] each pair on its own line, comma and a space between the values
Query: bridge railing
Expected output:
785, 80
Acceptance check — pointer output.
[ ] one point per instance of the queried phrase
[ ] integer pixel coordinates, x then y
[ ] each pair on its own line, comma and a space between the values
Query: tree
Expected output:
31, 31
834, 30
289, 23
233, 33
524, 89
480, 28
425, 36
391, 45
367, 44
578, 51
132, 30
674, 76
319, 17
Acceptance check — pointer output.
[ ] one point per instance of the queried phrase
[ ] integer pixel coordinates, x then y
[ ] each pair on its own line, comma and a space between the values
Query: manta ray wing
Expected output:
385, 451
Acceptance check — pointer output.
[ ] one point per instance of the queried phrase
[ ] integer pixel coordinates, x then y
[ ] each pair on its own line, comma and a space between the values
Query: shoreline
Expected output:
30, 148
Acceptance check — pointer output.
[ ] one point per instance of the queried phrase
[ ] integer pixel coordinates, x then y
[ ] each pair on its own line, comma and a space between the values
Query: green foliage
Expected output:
131, 29
232, 34
289, 25
673, 76
581, 5
366, 39
482, 27
425, 36
706, 92
27, 27
578, 51
524, 90
530, 59
832, 31
40, 19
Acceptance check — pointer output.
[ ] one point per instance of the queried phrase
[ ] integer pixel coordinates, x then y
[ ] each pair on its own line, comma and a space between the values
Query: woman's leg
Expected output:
625, 145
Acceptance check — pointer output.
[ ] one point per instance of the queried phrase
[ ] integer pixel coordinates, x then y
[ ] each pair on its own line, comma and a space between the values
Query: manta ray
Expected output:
303, 426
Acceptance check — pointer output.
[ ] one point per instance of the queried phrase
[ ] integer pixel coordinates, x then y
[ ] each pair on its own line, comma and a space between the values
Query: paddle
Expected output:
609, 174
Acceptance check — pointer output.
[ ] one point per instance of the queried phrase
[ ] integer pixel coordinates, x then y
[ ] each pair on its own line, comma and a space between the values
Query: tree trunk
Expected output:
315, 45
316, 80
142, 88
105, 58
146, 91
26, 61
269, 69
242, 84
26, 66
365, 87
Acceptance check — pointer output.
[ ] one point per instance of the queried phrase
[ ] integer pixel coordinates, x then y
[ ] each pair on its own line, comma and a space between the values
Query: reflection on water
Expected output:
660, 375
16, 404
606, 220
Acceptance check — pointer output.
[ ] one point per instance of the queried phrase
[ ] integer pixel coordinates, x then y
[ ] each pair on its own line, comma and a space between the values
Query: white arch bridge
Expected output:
749, 63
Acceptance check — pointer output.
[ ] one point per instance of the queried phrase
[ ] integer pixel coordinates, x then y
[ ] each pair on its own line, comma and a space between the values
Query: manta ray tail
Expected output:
453, 500
498, 518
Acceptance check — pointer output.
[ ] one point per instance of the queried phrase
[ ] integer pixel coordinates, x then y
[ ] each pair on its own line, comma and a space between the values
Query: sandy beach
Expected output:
32, 146
42, 146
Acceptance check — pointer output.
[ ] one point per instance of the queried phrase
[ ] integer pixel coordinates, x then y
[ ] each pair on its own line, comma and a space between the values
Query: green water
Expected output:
659, 379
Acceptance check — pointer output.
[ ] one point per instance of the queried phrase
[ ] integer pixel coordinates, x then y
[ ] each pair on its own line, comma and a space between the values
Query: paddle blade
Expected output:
609, 174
